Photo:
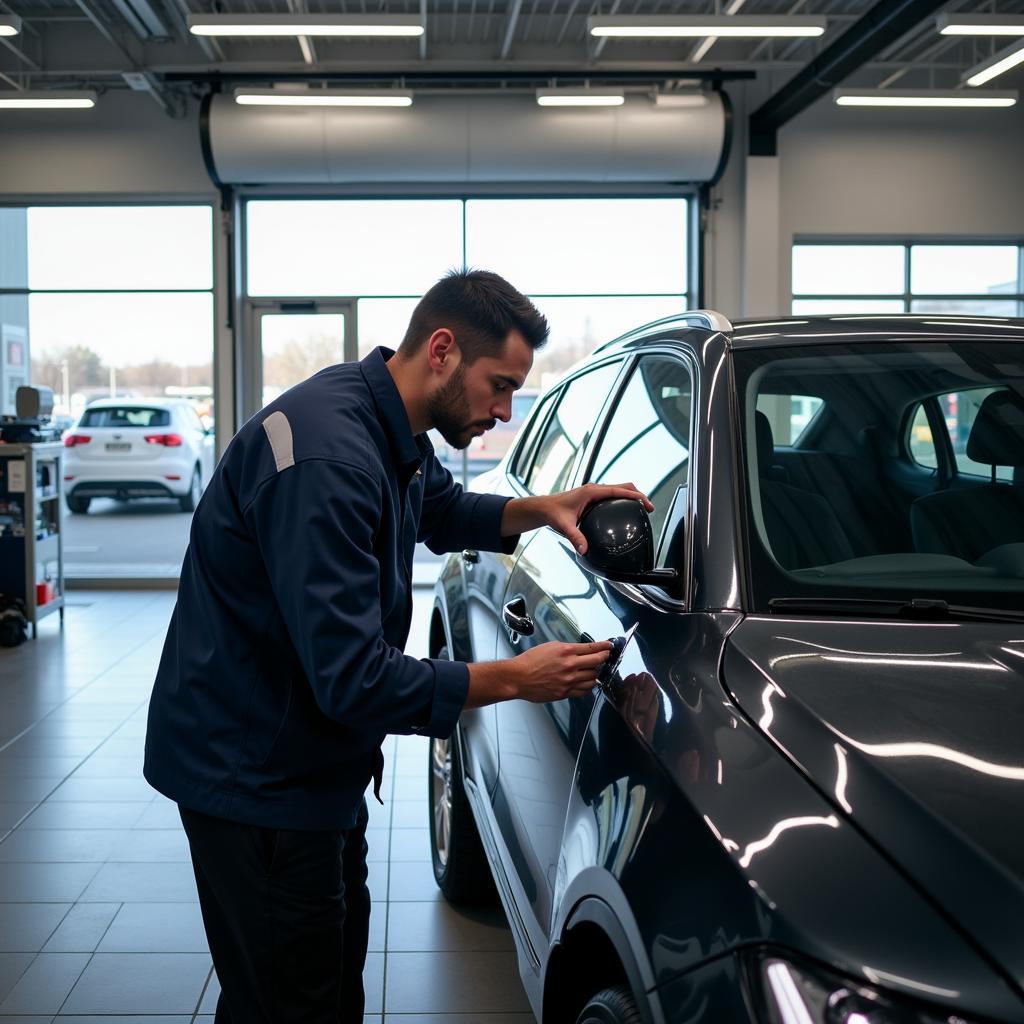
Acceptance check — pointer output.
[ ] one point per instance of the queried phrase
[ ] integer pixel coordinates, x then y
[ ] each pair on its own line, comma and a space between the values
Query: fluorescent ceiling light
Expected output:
55, 99
695, 26
922, 98
324, 98
980, 24
996, 65
305, 25
10, 25
679, 100
580, 97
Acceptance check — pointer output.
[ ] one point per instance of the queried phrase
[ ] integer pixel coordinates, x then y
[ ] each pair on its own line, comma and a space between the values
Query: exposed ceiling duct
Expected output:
465, 139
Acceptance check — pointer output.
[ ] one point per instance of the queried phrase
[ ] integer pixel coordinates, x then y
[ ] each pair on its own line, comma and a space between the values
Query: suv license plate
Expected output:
119, 447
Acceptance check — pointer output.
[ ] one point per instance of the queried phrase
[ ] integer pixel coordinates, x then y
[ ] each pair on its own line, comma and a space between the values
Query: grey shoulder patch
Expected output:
279, 433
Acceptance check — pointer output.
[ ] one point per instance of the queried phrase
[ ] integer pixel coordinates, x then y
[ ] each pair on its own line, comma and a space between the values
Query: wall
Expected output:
125, 145
852, 172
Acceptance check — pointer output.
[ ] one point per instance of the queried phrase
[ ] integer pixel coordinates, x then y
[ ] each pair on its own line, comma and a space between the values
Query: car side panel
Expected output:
717, 842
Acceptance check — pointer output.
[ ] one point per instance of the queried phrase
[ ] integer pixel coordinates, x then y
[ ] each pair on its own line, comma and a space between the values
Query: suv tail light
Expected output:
73, 439
167, 440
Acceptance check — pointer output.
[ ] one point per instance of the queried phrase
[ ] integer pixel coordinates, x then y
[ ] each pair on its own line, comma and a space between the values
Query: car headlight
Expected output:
791, 993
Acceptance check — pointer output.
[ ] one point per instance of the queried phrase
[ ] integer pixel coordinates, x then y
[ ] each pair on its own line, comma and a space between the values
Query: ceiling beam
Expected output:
881, 26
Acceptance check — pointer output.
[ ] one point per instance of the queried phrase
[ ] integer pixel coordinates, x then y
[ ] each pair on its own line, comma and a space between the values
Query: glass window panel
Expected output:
589, 246
120, 247
648, 437
569, 429
351, 247
579, 325
960, 269
383, 322
848, 270
297, 345
974, 307
14, 247
839, 307
141, 344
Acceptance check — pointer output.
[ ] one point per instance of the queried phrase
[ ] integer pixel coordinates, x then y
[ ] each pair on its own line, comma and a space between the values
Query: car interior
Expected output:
912, 464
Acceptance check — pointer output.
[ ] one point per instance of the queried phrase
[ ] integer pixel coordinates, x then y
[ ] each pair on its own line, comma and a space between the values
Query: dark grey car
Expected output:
799, 799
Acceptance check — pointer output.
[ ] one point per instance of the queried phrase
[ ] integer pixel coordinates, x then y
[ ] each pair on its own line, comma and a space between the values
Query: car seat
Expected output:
969, 521
803, 530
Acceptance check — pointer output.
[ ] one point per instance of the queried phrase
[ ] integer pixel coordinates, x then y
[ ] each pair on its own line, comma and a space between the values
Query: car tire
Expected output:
189, 500
460, 864
611, 1006
80, 506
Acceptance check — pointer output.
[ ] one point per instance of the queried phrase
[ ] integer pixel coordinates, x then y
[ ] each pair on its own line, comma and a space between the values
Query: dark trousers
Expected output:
287, 916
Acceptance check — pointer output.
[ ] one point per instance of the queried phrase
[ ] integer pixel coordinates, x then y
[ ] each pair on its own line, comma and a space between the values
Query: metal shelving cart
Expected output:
31, 538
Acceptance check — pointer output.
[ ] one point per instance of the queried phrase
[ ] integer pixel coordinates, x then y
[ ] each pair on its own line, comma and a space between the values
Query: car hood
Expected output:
915, 732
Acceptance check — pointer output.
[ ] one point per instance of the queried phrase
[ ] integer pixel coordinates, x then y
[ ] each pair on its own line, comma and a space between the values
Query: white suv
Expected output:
137, 448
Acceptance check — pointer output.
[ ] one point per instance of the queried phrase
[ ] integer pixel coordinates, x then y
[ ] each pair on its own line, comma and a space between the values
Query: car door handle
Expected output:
516, 620
470, 557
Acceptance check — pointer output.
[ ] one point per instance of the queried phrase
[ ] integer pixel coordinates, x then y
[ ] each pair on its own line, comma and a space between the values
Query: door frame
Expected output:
252, 344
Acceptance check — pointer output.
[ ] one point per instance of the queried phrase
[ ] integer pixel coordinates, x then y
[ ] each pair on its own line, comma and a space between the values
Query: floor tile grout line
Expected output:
202, 994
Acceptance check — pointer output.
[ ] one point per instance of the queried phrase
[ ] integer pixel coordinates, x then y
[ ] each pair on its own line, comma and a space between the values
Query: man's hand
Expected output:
563, 511
550, 671
554, 671
566, 509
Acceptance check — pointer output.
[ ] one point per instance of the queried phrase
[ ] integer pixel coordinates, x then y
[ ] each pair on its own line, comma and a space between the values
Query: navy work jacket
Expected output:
283, 669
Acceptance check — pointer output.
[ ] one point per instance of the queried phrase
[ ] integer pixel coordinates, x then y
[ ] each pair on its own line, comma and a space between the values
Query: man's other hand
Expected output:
554, 671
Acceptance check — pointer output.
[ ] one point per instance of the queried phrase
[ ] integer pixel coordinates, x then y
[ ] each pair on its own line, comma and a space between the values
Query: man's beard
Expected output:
449, 411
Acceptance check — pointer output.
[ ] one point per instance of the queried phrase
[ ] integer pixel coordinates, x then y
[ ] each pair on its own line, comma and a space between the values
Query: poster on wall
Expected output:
15, 342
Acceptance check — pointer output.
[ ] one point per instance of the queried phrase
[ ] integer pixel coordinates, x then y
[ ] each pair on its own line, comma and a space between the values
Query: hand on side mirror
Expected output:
620, 544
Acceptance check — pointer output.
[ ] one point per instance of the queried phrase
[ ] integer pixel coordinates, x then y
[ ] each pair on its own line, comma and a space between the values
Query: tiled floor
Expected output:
98, 914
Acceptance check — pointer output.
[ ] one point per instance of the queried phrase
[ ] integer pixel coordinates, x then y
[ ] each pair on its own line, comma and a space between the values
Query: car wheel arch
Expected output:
597, 944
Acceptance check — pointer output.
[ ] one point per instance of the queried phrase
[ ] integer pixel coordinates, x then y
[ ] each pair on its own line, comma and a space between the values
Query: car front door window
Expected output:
647, 441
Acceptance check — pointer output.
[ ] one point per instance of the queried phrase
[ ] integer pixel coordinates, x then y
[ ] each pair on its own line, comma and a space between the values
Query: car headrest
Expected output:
997, 437
765, 442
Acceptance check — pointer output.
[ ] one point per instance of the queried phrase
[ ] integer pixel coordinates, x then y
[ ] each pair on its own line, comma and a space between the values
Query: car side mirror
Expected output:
620, 544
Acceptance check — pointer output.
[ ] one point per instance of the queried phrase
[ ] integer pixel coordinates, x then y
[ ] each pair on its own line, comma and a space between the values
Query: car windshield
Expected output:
884, 470
126, 416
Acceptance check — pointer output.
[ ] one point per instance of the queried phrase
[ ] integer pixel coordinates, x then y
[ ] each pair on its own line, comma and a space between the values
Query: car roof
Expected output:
121, 403
763, 332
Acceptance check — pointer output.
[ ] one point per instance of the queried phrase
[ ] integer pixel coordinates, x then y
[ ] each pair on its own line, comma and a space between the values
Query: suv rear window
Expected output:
126, 416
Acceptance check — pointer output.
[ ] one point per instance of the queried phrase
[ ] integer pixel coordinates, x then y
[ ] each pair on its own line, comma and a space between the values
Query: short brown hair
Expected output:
481, 309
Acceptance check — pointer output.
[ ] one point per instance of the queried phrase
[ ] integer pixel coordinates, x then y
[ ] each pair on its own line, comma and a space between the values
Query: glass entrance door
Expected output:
294, 340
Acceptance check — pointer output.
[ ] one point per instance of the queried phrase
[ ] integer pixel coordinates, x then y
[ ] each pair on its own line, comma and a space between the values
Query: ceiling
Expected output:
468, 44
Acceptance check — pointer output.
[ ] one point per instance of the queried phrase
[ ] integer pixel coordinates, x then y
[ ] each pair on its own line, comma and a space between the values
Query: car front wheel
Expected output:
189, 500
460, 864
80, 506
611, 1006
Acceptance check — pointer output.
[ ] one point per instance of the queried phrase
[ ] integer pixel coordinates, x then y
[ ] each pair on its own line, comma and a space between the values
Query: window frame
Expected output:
677, 349
908, 296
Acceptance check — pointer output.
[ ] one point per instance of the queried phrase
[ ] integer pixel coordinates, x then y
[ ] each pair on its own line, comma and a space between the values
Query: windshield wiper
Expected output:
918, 609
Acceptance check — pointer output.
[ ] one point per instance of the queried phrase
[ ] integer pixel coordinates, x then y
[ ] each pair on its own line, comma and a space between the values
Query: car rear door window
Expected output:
528, 445
647, 441
569, 429
958, 410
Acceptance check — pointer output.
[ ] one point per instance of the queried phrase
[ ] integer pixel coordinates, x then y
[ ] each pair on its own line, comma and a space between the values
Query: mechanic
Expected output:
283, 667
